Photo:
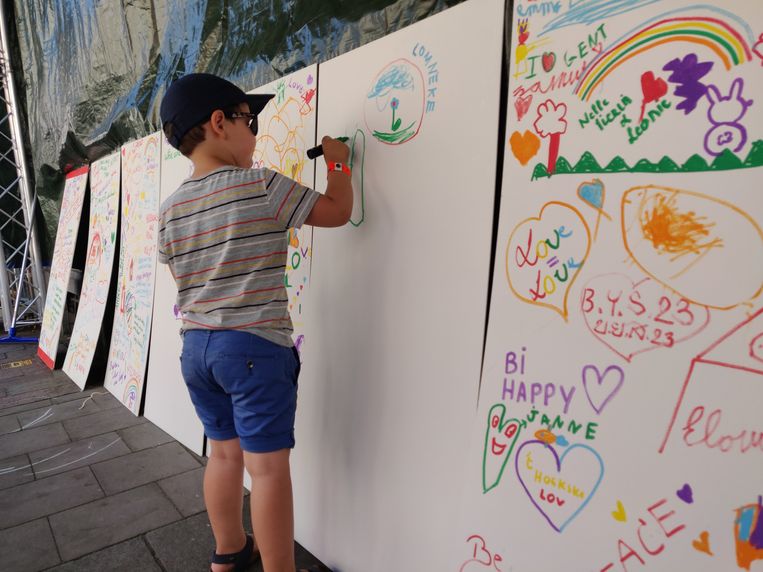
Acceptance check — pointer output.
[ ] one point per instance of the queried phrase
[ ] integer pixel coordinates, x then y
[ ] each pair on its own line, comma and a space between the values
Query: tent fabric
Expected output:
94, 71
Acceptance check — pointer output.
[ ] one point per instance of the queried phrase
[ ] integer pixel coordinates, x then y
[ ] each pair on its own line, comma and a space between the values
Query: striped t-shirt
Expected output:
225, 239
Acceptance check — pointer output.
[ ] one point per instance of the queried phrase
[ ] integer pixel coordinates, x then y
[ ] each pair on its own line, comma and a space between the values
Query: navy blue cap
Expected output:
191, 99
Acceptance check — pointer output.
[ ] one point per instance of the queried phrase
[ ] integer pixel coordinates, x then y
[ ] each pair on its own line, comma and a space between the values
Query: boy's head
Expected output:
205, 114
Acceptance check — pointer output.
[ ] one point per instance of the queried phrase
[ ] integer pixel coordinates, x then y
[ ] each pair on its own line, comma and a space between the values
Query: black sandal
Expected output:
240, 560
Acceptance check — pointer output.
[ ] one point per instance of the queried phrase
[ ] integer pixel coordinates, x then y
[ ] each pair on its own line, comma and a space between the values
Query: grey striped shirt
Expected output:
225, 239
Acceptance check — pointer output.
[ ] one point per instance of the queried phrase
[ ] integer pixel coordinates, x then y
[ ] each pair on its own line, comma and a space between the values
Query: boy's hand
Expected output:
335, 151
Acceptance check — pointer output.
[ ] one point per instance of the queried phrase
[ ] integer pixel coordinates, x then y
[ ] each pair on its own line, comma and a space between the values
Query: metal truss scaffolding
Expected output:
22, 282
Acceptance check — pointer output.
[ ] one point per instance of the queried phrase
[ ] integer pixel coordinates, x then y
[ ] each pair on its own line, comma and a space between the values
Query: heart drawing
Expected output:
620, 515
522, 106
635, 317
653, 89
601, 387
500, 437
524, 146
548, 60
560, 487
545, 254
686, 494
702, 544
592, 193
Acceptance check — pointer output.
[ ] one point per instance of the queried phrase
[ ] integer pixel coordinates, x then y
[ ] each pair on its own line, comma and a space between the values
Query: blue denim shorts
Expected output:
242, 386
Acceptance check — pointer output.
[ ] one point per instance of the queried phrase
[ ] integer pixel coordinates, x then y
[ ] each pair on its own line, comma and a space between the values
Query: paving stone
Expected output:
15, 471
127, 556
25, 348
8, 375
77, 454
98, 524
185, 546
4, 412
97, 396
25, 384
186, 491
9, 425
47, 496
144, 436
57, 412
304, 559
28, 547
32, 396
104, 399
142, 467
101, 422
79, 394
15, 353
32, 439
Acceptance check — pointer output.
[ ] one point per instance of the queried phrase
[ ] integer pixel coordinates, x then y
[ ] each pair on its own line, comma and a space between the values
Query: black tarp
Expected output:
94, 72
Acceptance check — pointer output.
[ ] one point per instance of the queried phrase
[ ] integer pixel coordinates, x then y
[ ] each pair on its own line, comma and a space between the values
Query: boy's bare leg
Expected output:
272, 508
224, 497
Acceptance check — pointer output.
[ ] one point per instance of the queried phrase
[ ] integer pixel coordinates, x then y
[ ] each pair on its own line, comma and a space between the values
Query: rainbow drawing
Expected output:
720, 37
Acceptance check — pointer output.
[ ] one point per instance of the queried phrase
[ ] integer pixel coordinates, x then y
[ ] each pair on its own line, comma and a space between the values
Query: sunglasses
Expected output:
251, 117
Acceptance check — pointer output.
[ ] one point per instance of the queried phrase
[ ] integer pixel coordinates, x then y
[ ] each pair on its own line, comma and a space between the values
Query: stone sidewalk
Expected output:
87, 486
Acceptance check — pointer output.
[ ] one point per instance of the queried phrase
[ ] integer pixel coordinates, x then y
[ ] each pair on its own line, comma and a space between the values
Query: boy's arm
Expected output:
335, 207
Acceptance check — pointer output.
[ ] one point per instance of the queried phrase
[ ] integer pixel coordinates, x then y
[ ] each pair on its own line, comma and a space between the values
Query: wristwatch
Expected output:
340, 167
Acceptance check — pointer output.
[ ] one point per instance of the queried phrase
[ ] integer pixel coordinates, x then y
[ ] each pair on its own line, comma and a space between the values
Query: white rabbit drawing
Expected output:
724, 114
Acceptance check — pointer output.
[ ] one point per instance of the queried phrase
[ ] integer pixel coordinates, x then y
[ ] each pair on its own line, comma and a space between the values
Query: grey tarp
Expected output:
94, 71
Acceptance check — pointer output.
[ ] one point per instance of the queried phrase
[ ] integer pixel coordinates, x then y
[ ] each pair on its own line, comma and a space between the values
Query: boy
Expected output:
224, 235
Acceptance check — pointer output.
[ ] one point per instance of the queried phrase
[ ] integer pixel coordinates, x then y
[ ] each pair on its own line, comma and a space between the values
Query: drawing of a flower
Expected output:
394, 104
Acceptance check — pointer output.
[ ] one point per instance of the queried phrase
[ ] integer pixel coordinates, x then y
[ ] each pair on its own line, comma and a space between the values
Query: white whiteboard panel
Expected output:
619, 418
128, 354
286, 132
396, 307
168, 404
102, 240
61, 267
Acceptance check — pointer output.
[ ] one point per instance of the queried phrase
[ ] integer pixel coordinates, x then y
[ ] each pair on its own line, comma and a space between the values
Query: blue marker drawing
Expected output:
397, 77
590, 11
559, 460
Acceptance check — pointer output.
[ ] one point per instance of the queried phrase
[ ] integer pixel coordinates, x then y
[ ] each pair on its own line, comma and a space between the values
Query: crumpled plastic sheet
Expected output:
95, 71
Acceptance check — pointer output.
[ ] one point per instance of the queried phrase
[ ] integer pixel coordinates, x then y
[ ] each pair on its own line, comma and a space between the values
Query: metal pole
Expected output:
31, 253
5, 290
23, 171
12, 330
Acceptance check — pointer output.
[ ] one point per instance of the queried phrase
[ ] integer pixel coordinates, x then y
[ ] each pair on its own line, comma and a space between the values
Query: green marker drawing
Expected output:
500, 438
726, 161
362, 176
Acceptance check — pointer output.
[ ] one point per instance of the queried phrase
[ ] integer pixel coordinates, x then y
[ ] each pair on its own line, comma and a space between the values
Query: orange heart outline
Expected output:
564, 313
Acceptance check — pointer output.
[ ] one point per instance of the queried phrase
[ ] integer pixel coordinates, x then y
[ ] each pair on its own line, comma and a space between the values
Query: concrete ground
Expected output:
87, 486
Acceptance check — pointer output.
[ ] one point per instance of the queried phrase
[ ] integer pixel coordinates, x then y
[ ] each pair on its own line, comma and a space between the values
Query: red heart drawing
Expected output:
652, 88
522, 105
549, 60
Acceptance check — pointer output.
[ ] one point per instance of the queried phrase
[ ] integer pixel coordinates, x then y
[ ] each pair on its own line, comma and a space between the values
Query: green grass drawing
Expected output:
587, 163
398, 137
